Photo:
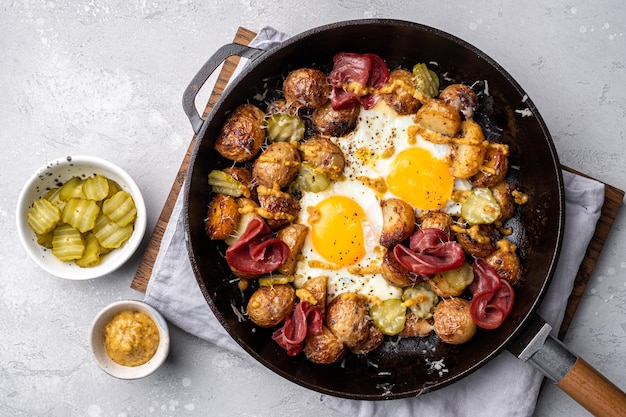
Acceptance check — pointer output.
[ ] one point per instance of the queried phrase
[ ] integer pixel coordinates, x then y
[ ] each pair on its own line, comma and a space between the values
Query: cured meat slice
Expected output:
257, 251
492, 297
305, 321
352, 77
431, 251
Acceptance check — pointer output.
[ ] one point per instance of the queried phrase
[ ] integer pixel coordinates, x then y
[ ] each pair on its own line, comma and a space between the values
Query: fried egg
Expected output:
384, 158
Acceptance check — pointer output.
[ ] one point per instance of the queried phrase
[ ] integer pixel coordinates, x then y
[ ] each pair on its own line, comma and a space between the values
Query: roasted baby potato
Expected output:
416, 327
242, 135
306, 88
277, 165
440, 117
277, 208
461, 97
324, 155
317, 288
293, 235
506, 262
270, 305
394, 273
503, 193
374, 339
402, 98
398, 221
347, 317
478, 240
330, 122
495, 166
453, 322
435, 220
222, 218
466, 159
324, 348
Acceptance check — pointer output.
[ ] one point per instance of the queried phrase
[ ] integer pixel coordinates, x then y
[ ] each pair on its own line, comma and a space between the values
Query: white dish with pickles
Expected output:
80, 217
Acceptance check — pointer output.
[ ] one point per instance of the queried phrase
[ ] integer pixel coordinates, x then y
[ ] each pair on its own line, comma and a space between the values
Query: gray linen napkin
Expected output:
504, 387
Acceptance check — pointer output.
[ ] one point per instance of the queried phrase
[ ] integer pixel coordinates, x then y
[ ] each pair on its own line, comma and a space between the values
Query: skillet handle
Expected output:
189, 96
593, 391
578, 379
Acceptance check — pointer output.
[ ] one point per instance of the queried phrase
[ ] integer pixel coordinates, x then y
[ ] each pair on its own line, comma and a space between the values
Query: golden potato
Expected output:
402, 98
398, 221
506, 262
440, 117
461, 97
435, 220
416, 327
347, 317
478, 240
244, 177
270, 305
373, 340
276, 207
394, 273
317, 287
222, 218
324, 155
466, 159
306, 88
495, 166
324, 348
331, 122
453, 322
277, 165
242, 135
293, 235
503, 193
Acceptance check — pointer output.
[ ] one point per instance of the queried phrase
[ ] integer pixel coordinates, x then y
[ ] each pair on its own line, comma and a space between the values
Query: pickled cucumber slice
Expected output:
91, 256
45, 240
54, 196
284, 127
310, 180
113, 188
67, 243
223, 183
73, 188
110, 234
270, 281
81, 214
426, 80
43, 216
421, 299
120, 208
480, 207
389, 316
96, 188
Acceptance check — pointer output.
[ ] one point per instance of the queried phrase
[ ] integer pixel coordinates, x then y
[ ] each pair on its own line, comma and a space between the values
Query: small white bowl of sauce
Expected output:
129, 339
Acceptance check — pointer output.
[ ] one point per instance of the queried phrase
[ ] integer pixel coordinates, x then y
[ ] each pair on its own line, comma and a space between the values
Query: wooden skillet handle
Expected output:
593, 391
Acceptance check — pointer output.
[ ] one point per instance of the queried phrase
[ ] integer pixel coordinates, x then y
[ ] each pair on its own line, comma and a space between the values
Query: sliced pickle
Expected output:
43, 216
421, 299
459, 278
223, 183
67, 243
389, 316
426, 80
54, 196
109, 234
480, 207
81, 214
284, 127
310, 180
96, 188
113, 188
45, 240
91, 256
73, 188
120, 208
275, 280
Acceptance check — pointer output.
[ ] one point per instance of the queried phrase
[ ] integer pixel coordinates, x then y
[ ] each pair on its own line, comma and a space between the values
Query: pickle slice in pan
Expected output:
120, 208
67, 243
43, 216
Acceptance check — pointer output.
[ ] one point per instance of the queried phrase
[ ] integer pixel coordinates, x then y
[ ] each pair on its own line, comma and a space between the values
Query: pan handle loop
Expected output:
189, 96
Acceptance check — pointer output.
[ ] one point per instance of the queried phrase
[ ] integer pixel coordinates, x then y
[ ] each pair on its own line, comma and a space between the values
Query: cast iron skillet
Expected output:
398, 368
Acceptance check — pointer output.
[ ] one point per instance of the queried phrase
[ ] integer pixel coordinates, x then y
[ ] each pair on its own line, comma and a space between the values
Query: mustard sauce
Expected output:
131, 338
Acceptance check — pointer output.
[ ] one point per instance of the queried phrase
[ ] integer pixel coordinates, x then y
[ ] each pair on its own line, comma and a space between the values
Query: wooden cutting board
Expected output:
612, 203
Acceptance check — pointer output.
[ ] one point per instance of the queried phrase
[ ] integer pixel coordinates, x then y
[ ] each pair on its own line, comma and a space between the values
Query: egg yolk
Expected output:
337, 230
420, 179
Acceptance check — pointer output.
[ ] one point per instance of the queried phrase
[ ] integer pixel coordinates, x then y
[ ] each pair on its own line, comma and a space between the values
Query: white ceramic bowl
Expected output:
52, 175
96, 340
